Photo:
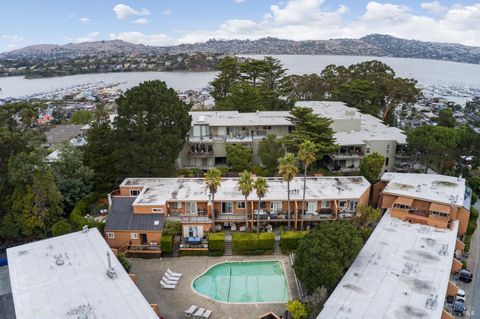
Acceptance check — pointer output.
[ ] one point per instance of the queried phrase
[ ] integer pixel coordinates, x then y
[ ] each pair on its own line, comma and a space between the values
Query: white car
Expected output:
460, 295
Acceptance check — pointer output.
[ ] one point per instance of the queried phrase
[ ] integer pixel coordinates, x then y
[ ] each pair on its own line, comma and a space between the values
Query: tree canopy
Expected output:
324, 254
149, 130
270, 149
239, 157
81, 117
445, 118
312, 127
252, 85
371, 166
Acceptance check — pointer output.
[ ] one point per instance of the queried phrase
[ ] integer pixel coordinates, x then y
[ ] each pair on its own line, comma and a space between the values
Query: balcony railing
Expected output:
186, 218
229, 217
153, 248
239, 138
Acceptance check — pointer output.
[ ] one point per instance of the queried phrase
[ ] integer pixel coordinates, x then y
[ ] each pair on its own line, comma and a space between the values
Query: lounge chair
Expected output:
206, 314
167, 286
199, 313
169, 282
189, 312
173, 274
171, 278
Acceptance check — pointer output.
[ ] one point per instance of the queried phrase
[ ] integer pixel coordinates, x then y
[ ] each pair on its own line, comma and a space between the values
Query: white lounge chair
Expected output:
173, 274
171, 278
206, 314
170, 282
199, 313
189, 312
167, 286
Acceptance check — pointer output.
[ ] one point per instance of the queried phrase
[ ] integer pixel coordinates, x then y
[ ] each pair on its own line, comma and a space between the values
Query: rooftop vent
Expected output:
59, 260
432, 302
111, 272
444, 250
85, 229
156, 222
419, 188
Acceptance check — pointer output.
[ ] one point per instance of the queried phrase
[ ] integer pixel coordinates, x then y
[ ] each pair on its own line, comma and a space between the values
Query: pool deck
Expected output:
172, 303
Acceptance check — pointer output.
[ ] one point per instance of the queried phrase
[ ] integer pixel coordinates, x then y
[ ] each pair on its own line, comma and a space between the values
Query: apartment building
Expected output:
428, 199
188, 201
356, 134
405, 267
73, 276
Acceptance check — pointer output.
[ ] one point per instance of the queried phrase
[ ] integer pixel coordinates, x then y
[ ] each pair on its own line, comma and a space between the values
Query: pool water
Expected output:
244, 282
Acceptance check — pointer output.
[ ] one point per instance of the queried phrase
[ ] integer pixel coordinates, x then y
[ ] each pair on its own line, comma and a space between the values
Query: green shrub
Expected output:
472, 225
252, 243
126, 263
61, 227
289, 240
166, 243
473, 214
216, 243
194, 252
467, 241
187, 172
172, 228
474, 198
258, 170
297, 309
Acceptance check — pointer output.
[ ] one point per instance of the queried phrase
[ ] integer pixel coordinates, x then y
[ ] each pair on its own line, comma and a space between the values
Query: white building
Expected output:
66, 277
357, 135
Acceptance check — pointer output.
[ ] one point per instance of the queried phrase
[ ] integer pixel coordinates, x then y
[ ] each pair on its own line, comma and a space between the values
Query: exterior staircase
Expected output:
228, 244
276, 248
176, 246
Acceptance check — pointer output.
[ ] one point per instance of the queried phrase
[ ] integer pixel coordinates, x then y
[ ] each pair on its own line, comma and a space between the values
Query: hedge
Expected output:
194, 253
289, 240
216, 243
472, 225
252, 243
166, 244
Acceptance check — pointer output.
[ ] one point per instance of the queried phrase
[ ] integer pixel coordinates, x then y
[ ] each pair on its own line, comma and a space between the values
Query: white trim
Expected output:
243, 204
157, 210
134, 192
133, 235
110, 235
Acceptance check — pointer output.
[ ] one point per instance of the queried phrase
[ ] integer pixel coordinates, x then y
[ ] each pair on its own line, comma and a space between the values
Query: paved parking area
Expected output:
172, 303
7, 310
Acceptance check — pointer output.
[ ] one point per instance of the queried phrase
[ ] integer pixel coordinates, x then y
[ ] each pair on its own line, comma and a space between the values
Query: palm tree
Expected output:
213, 180
287, 169
261, 188
306, 153
245, 185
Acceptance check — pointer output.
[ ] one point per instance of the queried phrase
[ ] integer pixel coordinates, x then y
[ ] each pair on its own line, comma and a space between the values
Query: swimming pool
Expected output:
244, 282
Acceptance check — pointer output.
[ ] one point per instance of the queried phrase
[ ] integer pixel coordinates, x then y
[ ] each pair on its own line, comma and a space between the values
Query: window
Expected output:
276, 207
263, 205
110, 235
368, 149
353, 206
191, 208
386, 161
311, 207
325, 204
176, 205
227, 208
134, 192
157, 210
133, 235
267, 128
241, 205
342, 203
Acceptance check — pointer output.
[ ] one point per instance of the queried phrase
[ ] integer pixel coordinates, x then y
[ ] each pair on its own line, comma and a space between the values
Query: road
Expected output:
473, 261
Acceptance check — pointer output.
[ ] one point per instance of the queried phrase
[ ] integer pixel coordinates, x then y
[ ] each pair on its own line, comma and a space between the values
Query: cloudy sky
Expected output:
163, 22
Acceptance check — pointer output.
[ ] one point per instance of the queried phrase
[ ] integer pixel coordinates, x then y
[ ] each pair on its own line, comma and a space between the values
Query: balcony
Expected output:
199, 218
146, 249
205, 139
224, 218
201, 150
239, 138
402, 155
348, 153
343, 169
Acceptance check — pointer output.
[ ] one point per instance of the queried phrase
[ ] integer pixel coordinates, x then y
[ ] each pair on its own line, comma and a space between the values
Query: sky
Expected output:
170, 22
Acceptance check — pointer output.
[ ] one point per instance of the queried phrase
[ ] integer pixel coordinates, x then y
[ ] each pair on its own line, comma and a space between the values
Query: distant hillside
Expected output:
371, 45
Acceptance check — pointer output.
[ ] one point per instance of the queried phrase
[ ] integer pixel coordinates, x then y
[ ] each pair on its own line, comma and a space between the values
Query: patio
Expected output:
173, 303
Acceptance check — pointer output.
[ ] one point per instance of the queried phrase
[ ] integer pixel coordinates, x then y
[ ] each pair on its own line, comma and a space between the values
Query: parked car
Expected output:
459, 308
460, 295
465, 275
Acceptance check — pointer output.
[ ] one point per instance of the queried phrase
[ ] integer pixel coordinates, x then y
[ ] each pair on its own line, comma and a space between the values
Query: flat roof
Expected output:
371, 127
160, 190
121, 217
437, 188
43, 289
402, 272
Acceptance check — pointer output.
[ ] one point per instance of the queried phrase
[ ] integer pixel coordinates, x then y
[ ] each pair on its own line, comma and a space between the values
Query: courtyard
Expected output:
173, 302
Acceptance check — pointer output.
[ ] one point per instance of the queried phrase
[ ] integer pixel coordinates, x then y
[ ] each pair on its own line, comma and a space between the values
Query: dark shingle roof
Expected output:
121, 217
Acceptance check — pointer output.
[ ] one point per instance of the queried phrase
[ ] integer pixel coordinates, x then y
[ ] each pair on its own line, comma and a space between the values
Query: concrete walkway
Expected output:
172, 303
